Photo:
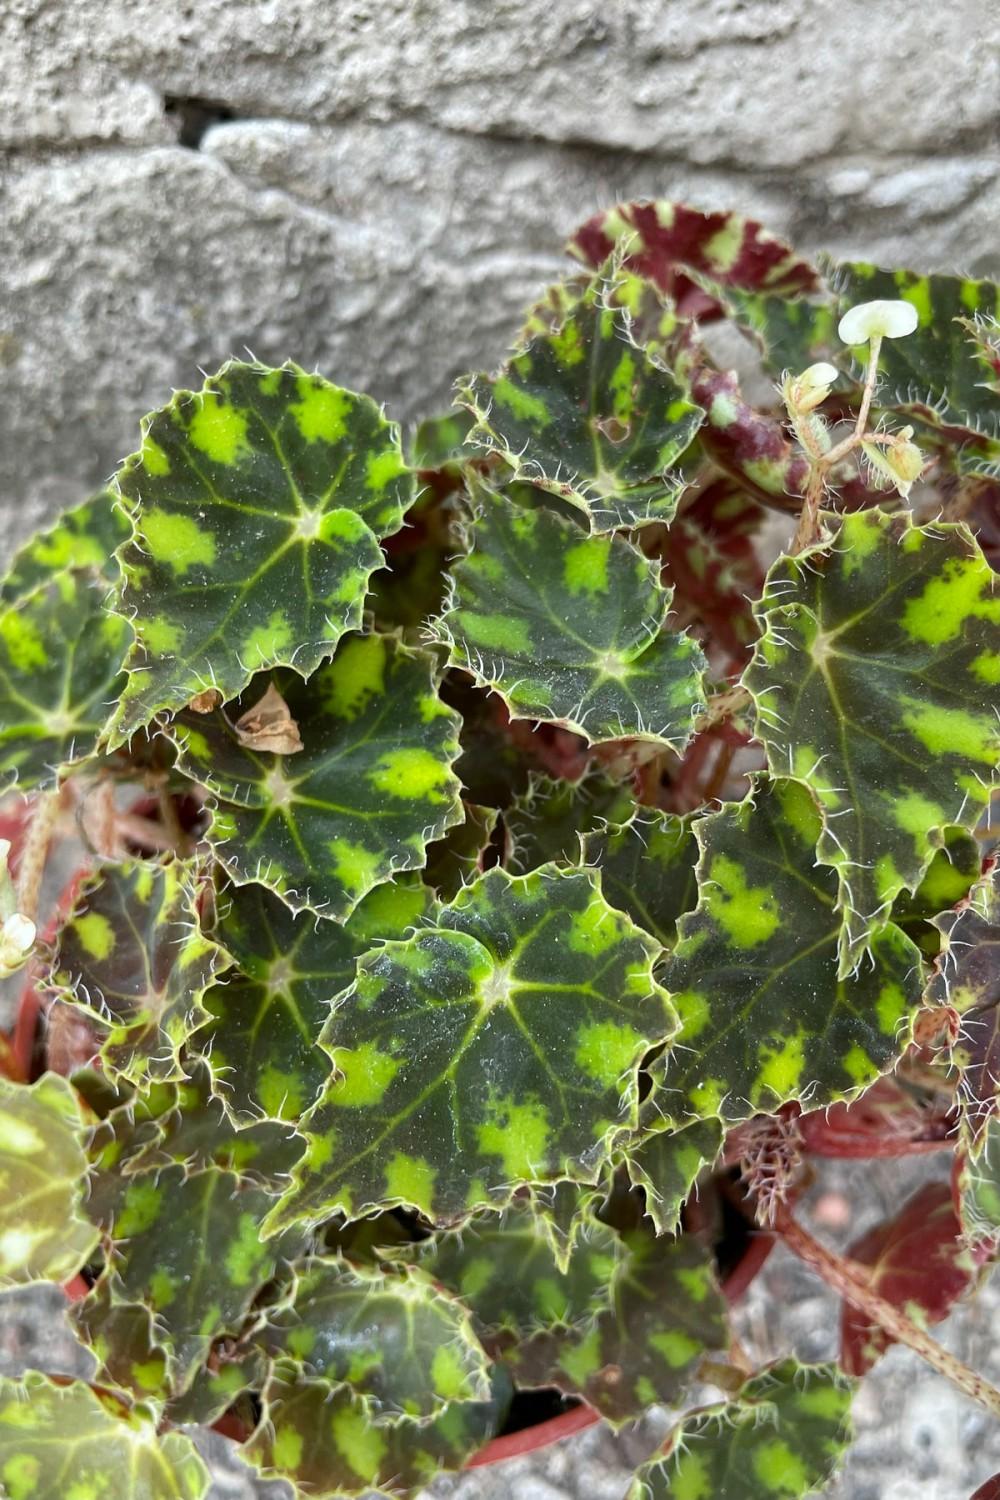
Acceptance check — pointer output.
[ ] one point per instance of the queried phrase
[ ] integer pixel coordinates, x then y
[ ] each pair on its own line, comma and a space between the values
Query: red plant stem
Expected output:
852, 1282
34, 852
25, 1030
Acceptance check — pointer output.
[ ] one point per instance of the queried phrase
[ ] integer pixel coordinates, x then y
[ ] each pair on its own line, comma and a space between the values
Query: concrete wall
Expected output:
376, 189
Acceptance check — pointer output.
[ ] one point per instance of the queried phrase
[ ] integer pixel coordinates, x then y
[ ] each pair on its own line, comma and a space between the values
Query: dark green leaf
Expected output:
968, 980
372, 785
667, 1164
647, 869
259, 504
84, 537
545, 823
495, 1047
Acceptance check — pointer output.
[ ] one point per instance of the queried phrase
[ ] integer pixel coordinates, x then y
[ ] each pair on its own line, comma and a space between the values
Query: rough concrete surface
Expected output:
376, 190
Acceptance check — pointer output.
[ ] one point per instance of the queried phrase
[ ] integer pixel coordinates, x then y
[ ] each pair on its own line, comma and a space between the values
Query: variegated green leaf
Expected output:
259, 504
877, 682
564, 1210
792, 333
545, 823
665, 1314
229, 1382
585, 412
124, 1344
84, 537
323, 1438
67, 1442
60, 667
570, 628
496, 1046
393, 1338
506, 1271
647, 868
666, 1164
43, 1234
979, 1187
264, 1021
938, 373
764, 1017
133, 958
439, 441
457, 858
187, 1245
781, 1440
948, 879
968, 980
372, 785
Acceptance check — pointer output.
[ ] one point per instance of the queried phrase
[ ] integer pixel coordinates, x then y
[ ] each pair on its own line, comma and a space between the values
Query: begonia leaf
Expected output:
494, 1047
647, 868
60, 1442
43, 1233
781, 1440
666, 1165
371, 787
664, 240
124, 1344
187, 1245
968, 980
545, 823
82, 538
60, 666
877, 682
393, 1338
507, 1272
259, 503
710, 559
947, 881
231, 1379
455, 859
323, 1438
132, 957
764, 1017
939, 373
979, 1188
918, 1261
570, 628
265, 1020
583, 411
665, 1314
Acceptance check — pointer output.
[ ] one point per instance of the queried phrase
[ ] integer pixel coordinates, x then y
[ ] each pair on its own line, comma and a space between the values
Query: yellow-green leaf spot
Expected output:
176, 540
518, 1134
676, 1347
95, 933
218, 429
781, 1068
363, 1075
321, 412
781, 1470
359, 1443
449, 1374
246, 1254
497, 632
690, 1478
748, 914
411, 1180
585, 566
963, 590
287, 1448
413, 774
22, 641
356, 676
521, 402
267, 643
606, 1050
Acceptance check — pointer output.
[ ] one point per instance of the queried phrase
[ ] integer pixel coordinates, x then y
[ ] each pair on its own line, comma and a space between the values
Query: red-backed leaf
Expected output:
919, 1261
988, 1491
886, 1120
664, 240
710, 560
968, 981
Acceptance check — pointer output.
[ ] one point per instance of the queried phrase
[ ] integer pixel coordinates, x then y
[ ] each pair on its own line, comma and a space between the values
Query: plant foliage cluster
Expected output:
509, 859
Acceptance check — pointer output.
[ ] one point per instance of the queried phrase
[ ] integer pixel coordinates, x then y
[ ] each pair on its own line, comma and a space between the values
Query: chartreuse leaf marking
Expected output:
440, 441
324, 1439
43, 1235
564, 1210
84, 537
507, 1273
264, 1021
187, 1246
494, 1047
764, 1017
979, 1186
968, 980
938, 373
666, 1165
664, 1314
781, 1440
583, 411
570, 628
66, 1442
545, 822
371, 787
647, 868
792, 333
395, 1339
947, 881
231, 1385
665, 240
133, 958
259, 503
60, 666
873, 683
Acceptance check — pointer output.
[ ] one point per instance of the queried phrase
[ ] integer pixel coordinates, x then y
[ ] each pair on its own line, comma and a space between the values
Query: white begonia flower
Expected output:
17, 937
805, 392
887, 320
902, 463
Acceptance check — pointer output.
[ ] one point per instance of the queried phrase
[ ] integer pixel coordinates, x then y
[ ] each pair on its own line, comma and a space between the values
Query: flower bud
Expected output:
887, 320
17, 938
805, 392
901, 462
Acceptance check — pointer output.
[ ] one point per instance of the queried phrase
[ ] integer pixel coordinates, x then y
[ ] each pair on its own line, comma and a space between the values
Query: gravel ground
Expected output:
917, 1437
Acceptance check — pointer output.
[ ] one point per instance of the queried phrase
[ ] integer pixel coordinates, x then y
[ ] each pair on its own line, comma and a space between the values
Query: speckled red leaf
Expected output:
919, 1261
709, 558
887, 1120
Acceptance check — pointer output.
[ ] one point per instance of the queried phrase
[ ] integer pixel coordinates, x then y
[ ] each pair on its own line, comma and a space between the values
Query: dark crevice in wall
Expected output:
193, 117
